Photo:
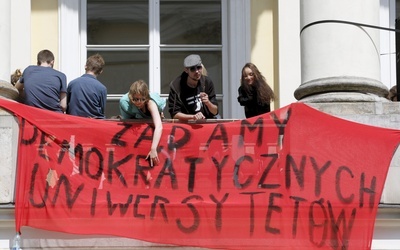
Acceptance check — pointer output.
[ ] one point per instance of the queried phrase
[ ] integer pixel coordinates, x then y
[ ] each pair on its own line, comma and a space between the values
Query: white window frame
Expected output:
235, 46
72, 38
388, 42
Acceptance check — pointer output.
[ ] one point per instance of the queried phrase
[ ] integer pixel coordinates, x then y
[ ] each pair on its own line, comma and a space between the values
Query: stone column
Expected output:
340, 62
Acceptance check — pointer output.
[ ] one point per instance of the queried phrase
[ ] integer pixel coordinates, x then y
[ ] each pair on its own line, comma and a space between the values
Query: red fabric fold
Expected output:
295, 178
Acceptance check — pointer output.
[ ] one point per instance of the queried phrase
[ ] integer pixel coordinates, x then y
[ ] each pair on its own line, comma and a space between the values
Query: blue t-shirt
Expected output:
86, 97
43, 86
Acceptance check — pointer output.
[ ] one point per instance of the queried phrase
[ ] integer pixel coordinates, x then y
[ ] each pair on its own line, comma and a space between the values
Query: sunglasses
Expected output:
195, 68
138, 99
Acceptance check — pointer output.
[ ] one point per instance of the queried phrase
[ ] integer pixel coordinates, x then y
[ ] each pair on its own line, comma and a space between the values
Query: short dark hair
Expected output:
45, 56
95, 64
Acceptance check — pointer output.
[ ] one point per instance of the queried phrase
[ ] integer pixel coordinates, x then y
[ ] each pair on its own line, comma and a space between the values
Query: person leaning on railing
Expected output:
42, 86
254, 92
139, 103
192, 95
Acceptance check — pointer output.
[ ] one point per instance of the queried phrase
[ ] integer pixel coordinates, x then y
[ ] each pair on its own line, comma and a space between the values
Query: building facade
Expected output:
148, 39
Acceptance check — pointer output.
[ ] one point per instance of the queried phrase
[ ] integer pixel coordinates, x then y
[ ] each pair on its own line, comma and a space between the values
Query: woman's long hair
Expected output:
264, 92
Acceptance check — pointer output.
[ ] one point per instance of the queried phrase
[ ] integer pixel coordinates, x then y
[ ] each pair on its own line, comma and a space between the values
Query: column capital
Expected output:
340, 57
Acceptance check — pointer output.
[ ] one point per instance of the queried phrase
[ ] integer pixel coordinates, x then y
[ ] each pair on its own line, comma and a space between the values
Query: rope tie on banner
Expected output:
348, 22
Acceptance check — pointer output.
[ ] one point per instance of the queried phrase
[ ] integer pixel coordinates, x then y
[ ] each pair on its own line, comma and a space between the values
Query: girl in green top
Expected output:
138, 103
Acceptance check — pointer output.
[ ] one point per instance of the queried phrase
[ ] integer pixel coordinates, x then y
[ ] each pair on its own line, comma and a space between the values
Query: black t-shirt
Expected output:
191, 99
185, 99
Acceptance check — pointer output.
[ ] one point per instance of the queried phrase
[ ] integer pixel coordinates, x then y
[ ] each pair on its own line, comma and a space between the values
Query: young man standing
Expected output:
192, 95
86, 95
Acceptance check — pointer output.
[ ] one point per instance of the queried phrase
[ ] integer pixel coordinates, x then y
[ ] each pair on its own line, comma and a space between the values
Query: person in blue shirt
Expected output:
87, 96
42, 86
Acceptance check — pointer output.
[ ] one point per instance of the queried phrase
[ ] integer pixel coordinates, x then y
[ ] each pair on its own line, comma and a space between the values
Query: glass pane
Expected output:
122, 68
112, 109
172, 67
117, 22
190, 22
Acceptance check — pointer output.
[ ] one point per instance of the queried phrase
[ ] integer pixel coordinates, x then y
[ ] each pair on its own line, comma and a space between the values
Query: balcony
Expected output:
387, 225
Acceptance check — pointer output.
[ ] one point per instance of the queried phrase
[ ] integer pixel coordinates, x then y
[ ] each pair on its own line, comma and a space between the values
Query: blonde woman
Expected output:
138, 103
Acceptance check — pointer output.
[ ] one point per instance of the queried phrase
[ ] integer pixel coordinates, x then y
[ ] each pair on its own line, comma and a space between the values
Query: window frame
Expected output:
235, 18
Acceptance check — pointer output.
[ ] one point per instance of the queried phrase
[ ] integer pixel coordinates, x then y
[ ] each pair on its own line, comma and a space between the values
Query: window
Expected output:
149, 39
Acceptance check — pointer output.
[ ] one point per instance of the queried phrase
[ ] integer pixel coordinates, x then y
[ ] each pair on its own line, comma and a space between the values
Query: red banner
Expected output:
292, 178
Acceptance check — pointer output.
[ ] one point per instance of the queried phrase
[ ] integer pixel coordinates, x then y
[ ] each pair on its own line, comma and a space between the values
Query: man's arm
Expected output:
209, 98
206, 101
103, 101
186, 117
63, 101
174, 103
212, 107
20, 88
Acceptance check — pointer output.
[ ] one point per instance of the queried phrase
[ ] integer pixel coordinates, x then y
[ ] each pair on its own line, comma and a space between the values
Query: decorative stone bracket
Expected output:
7, 90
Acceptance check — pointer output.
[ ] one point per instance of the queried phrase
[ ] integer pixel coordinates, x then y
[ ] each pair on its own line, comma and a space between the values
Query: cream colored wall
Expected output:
264, 39
44, 28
